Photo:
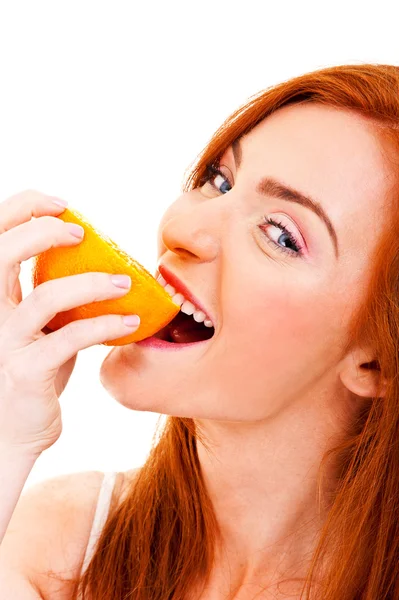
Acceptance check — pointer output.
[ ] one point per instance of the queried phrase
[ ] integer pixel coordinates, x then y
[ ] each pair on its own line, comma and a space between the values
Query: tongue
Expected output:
184, 329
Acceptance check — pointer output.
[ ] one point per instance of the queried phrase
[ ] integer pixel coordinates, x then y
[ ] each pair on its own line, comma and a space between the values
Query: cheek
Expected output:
284, 327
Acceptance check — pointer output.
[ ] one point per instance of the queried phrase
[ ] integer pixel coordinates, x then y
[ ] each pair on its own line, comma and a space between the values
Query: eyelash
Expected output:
212, 171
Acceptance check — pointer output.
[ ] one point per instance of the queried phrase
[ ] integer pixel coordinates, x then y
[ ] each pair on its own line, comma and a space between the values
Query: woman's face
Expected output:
280, 306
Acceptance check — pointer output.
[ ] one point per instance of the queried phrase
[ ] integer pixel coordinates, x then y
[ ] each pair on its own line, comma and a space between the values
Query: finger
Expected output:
21, 207
52, 297
53, 350
26, 241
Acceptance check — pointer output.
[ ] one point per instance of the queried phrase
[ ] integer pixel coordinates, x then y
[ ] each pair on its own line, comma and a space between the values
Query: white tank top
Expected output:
103, 504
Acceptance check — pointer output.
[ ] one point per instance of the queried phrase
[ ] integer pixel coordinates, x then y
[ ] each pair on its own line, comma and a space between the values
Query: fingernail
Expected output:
122, 281
60, 202
131, 320
76, 230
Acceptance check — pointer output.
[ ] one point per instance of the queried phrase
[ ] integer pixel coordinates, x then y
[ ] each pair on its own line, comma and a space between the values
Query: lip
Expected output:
180, 287
153, 342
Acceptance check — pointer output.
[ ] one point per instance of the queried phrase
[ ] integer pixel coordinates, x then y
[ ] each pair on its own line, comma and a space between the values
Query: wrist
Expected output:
18, 452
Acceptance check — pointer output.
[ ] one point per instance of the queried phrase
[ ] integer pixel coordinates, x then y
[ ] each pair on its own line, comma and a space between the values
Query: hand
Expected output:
36, 364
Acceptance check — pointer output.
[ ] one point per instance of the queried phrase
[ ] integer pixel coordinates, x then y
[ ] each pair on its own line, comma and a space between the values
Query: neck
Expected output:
262, 480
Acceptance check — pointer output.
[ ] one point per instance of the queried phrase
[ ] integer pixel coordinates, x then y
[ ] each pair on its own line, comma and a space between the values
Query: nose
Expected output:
191, 232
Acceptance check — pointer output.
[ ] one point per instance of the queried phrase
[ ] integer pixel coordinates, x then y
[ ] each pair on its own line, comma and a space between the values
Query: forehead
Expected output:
312, 140
331, 154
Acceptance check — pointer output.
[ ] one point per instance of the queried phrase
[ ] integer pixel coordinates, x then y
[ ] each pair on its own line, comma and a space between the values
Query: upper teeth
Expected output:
186, 306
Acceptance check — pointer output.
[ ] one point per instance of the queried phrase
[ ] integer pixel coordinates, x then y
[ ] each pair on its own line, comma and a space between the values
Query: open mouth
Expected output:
183, 329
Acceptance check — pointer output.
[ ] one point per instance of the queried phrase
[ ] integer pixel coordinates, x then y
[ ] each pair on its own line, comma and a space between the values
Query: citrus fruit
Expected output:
97, 252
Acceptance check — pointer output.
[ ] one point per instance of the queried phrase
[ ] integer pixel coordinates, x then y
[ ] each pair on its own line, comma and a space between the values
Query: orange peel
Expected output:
97, 252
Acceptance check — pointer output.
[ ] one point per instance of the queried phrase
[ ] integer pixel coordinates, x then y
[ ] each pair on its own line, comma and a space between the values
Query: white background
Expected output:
106, 104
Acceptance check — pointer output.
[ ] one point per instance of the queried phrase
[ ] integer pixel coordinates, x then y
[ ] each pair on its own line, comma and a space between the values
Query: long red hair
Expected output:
159, 542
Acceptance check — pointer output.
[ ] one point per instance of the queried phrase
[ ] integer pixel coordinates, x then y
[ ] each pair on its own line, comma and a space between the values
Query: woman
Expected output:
276, 473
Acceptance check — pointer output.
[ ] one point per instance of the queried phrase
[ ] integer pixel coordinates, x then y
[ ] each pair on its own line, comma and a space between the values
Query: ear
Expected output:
360, 373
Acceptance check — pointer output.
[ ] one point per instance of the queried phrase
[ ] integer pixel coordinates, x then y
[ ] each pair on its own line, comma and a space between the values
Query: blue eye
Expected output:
297, 249
214, 175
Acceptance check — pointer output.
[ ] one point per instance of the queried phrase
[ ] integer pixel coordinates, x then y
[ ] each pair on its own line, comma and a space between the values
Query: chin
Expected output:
126, 376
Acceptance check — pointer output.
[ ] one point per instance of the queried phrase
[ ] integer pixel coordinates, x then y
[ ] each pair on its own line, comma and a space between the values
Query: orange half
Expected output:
97, 252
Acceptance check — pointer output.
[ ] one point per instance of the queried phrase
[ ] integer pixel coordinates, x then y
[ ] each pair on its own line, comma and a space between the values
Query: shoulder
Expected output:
50, 528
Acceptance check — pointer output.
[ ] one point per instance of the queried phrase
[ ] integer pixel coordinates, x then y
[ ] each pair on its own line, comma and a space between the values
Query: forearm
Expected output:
15, 467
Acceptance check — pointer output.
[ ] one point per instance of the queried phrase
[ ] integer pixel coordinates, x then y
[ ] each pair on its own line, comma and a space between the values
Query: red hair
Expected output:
159, 542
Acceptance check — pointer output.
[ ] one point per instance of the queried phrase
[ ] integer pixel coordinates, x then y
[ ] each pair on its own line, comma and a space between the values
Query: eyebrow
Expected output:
268, 186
